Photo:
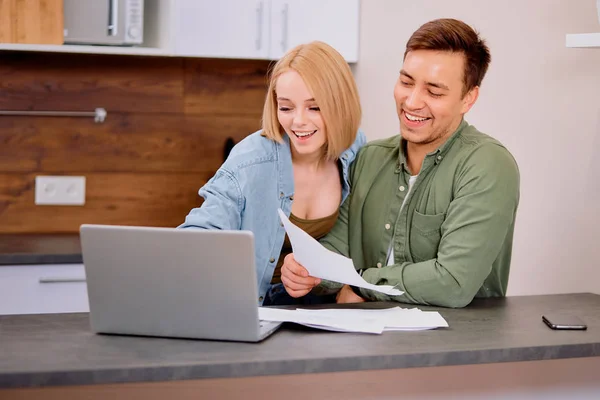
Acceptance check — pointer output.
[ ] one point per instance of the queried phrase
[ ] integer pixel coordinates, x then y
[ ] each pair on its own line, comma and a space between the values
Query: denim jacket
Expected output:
245, 193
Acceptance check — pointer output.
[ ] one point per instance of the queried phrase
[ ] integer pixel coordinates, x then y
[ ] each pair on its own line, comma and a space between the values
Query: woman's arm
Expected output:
223, 204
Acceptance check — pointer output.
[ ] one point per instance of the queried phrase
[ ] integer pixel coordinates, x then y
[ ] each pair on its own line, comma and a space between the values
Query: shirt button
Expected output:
439, 158
378, 265
402, 188
387, 226
281, 195
271, 260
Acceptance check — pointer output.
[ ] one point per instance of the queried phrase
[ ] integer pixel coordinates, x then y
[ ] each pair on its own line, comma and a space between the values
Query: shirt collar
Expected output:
438, 153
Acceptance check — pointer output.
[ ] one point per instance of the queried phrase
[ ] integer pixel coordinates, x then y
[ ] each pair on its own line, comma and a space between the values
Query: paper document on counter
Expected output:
358, 320
393, 319
325, 264
332, 322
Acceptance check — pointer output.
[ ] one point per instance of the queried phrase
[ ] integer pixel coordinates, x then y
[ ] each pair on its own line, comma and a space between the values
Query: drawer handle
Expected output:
56, 279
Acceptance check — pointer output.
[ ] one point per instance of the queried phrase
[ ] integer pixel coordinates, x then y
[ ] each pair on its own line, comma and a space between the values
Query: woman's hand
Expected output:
295, 278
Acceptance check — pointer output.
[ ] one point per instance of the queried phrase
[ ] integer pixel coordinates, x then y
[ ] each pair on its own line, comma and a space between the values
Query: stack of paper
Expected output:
351, 320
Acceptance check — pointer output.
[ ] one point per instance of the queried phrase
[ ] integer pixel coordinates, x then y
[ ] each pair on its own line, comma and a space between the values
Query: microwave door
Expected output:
92, 21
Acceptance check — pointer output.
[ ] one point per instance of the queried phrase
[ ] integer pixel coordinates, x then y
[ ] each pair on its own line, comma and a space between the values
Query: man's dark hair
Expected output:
457, 37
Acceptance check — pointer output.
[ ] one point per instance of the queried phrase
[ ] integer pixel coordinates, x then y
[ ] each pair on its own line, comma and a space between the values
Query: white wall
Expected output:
541, 99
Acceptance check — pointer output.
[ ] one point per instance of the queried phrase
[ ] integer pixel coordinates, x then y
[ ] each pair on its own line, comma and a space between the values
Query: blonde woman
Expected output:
299, 162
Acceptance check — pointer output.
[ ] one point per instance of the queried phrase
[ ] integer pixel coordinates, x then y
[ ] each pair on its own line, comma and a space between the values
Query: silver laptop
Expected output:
169, 282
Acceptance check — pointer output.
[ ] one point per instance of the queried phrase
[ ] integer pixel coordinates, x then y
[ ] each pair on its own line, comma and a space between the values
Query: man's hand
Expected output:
347, 295
295, 278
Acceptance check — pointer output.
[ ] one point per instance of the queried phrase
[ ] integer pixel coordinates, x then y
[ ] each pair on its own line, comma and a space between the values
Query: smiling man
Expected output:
432, 210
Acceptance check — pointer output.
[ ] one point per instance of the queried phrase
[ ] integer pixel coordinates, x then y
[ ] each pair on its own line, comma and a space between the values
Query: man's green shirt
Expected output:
452, 238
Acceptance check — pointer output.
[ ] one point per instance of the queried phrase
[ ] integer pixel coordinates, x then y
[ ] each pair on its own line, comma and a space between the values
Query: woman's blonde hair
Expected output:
329, 79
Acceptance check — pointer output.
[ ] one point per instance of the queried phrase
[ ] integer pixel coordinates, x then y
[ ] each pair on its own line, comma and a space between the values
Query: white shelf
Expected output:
68, 48
583, 40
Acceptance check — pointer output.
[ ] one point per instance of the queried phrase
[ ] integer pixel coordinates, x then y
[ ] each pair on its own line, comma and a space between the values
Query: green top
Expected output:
316, 228
453, 237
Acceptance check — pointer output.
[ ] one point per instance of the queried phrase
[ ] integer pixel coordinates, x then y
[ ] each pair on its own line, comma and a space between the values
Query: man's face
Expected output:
429, 98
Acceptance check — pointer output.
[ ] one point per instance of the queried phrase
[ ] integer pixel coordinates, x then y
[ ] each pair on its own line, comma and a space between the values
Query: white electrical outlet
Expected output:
60, 190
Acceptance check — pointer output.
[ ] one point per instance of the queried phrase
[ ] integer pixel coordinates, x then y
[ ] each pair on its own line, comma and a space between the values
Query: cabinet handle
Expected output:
58, 279
259, 22
284, 33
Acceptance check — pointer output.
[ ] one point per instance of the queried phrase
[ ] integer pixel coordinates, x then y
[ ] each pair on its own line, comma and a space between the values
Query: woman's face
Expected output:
299, 115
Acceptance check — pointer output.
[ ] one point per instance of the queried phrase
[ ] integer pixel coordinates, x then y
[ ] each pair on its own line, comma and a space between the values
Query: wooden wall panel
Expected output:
225, 86
164, 137
111, 198
125, 142
83, 82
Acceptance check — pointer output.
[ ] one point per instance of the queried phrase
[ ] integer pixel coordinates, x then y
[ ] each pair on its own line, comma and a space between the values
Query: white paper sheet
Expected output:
395, 318
358, 320
333, 322
325, 264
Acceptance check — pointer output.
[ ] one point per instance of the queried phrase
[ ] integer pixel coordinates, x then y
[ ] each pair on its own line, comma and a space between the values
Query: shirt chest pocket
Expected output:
425, 235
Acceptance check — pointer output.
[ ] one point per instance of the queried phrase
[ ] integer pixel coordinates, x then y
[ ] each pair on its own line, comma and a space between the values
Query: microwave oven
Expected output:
104, 22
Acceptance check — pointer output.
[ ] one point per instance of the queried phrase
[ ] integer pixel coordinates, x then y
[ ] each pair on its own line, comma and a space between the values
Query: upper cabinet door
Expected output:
222, 29
335, 22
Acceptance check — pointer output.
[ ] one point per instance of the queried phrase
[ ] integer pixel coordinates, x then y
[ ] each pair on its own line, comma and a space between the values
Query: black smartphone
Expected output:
564, 321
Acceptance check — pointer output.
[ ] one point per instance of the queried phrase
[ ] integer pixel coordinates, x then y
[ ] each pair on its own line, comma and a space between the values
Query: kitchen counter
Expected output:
60, 349
39, 249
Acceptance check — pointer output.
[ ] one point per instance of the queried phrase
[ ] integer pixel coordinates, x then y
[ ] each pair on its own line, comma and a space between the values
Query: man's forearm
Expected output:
426, 283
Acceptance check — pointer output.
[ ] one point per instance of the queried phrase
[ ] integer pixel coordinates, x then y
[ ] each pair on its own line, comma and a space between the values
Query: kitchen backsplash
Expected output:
165, 134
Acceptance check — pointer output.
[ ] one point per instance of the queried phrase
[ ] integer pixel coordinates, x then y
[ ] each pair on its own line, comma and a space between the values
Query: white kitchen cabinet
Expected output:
262, 29
335, 22
225, 28
43, 289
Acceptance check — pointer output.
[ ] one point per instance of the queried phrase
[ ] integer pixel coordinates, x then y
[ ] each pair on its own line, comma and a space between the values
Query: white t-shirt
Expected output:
411, 182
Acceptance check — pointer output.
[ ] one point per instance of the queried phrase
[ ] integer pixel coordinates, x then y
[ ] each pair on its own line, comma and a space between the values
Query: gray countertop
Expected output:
59, 349
39, 249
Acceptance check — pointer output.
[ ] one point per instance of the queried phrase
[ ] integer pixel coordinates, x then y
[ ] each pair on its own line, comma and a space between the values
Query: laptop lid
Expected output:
171, 282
